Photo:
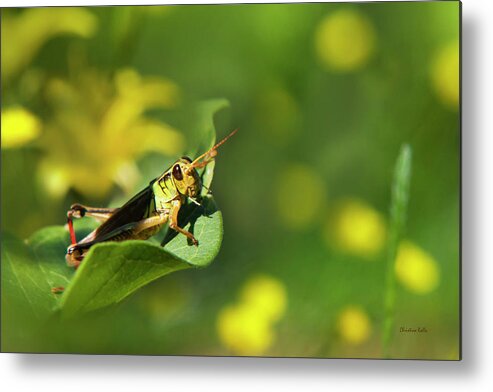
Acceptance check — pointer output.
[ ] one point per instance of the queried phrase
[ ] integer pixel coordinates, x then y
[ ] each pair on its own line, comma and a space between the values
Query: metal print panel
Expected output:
271, 180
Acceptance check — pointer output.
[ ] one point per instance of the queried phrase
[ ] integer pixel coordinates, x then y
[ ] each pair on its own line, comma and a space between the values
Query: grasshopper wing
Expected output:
137, 208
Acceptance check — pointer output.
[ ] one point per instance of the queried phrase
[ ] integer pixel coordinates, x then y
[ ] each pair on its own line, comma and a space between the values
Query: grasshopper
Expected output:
145, 213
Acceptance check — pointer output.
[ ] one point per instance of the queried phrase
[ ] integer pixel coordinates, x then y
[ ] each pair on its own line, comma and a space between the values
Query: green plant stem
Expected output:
398, 209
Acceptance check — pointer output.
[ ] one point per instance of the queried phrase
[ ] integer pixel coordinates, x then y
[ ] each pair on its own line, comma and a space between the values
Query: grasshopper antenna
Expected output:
209, 155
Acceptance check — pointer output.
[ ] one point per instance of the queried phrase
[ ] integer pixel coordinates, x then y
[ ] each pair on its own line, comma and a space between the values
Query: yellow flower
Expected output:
300, 196
345, 40
267, 295
247, 328
416, 269
99, 128
354, 325
24, 34
357, 228
19, 127
445, 74
242, 330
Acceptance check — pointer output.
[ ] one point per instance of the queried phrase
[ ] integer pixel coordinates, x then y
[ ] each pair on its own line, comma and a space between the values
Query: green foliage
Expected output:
110, 271
30, 271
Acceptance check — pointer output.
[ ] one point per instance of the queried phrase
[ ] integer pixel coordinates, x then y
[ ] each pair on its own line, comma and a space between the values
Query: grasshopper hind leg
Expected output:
75, 254
142, 229
79, 211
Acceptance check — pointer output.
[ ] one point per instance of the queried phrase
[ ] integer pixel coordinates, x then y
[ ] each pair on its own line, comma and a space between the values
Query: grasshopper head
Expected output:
184, 171
186, 178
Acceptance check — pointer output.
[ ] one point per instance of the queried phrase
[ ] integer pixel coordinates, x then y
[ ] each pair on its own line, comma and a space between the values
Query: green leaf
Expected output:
398, 212
29, 270
203, 130
205, 126
206, 224
25, 282
111, 271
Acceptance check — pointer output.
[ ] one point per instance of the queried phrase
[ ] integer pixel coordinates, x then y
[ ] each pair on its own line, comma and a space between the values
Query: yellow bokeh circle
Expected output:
247, 327
345, 40
267, 295
242, 331
445, 74
354, 325
19, 127
416, 269
357, 228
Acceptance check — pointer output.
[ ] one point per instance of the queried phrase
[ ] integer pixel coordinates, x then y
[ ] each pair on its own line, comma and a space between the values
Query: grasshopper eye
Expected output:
177, 172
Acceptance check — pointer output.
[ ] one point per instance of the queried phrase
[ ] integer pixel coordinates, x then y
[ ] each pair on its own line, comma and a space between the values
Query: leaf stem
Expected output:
398, 210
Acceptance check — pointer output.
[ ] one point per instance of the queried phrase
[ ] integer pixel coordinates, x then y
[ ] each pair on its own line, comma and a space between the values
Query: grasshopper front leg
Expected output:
173, 221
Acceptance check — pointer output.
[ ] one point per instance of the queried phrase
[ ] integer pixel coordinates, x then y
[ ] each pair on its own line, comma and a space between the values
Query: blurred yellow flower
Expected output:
23, 34
445, 74
98, 129
356, 228
247, 327
354, 325
242, 330
416, 269
300, 194
345, 40
267, 295
19, 127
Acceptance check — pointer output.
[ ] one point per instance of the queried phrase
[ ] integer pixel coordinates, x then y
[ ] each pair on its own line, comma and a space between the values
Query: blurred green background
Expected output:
324, 96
